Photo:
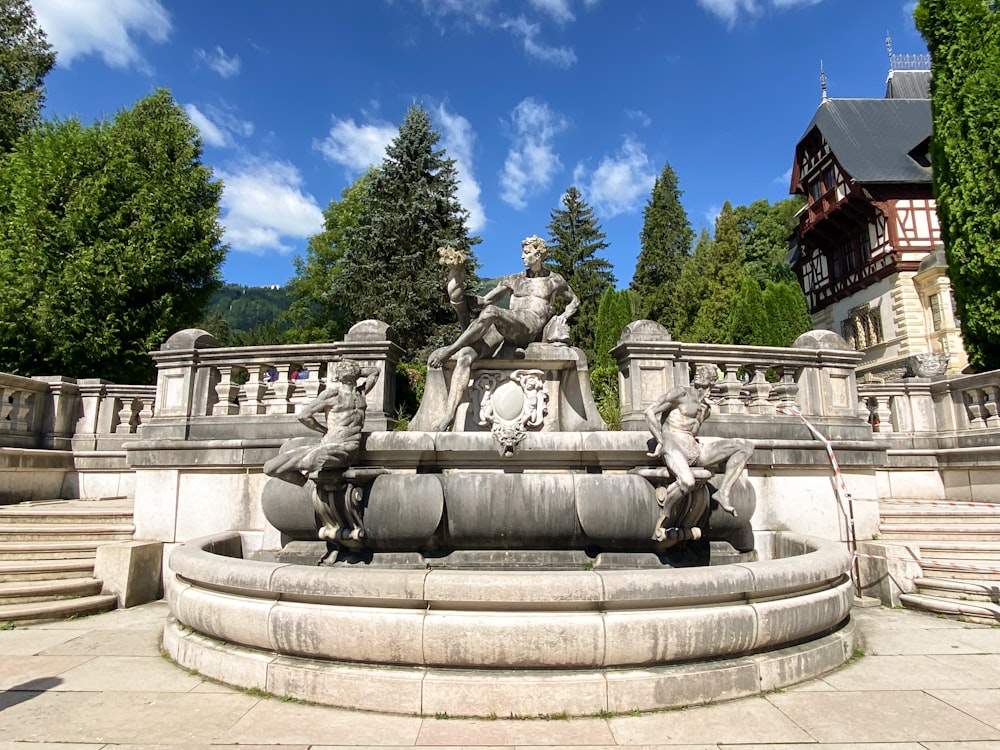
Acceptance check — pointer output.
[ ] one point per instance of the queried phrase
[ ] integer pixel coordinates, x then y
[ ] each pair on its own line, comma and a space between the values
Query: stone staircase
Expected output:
47, 553
957, 545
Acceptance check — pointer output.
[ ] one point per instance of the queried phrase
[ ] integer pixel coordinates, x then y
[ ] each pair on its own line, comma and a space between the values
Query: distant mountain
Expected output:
247, 307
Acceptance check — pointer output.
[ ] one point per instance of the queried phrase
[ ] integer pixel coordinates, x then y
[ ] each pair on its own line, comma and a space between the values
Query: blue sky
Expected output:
294, 99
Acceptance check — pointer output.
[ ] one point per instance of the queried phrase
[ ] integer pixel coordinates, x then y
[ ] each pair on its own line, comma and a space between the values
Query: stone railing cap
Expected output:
190, 338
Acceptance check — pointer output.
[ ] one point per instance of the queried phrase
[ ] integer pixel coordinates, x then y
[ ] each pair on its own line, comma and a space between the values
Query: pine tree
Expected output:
691, 288
666, 239
25, 59
963, 37
614, 312
748, 321
575, 239
786, 313
722, 270
390, 267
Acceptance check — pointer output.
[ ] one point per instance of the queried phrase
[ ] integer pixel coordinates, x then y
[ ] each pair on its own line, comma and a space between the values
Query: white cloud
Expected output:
560, 10
531, 162
621, 183
489, 14
355, 146
712, 214
730, 10
458, 138
639, 116
263, 203
218, 127
108, 28
529, 33
220, 62
785, 178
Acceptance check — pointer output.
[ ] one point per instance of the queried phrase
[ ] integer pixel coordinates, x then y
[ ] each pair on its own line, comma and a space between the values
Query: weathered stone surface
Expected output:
130, 571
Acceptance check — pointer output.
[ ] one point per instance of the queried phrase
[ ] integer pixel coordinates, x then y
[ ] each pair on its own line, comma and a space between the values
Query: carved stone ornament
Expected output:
511, 405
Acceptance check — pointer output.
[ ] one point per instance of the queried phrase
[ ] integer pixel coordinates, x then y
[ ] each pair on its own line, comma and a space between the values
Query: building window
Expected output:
851, 260
828, 179
863, 326
816, 189
865, 242
937, 322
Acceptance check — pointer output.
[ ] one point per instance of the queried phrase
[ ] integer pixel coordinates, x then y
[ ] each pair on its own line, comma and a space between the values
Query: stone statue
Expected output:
343, 404
454, 261
532, 294
675, 420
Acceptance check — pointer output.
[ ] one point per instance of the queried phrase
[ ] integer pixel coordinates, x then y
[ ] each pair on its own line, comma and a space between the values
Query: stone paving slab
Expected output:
25, 642
279, 722
984, 704
118, 674
109, 642
747, 720
880, 716
532, 732
16, 672
919, 672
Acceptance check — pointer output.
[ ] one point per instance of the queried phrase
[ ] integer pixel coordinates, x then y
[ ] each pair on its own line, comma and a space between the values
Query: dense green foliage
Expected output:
765, 231
615, 311
389, 269
109, 242
575, 239
316, 314
775, 316
711, 281
25, 59
748, 323
249, 315
963, 37
666, 240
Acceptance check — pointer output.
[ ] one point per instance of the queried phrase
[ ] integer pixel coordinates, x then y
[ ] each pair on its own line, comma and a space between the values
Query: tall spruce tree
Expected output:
787, 313
109, 242
390, 268
963, 37
666, 240
25, 59
748, 322
575, 239
691, 288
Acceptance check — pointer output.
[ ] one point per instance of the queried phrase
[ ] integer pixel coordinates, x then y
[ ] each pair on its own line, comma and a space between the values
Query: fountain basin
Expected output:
510, 642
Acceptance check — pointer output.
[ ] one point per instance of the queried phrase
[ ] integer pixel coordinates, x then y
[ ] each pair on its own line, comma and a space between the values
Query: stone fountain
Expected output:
524, 562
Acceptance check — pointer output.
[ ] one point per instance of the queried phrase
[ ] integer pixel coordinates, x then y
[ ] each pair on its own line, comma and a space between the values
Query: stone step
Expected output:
959, 569
11, 532
57, 550
938, 515
938, 532
56, 610
985, 551
944, 588
977, 611
24, 592
41, 570
118, 511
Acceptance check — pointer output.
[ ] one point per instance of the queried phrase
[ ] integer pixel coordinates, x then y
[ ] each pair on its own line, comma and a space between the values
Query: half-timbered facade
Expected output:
865, 246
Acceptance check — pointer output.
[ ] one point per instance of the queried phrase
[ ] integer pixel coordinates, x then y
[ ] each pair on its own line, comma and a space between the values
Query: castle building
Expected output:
867, 249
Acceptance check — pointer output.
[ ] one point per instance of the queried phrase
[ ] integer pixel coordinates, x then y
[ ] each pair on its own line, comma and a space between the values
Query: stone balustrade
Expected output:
815, 377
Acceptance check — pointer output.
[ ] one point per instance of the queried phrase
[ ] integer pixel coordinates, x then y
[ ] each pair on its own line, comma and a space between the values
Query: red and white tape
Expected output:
792, 411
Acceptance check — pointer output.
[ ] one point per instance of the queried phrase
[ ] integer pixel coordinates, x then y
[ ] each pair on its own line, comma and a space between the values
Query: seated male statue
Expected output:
532, 295
675, 420
343, 404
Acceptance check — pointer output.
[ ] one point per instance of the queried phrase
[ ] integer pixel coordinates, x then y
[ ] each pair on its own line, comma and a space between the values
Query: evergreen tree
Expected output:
25, 59
615, 311
666, 239
316, 313
748, 322
109, 242
786, 313
963, 37
390, 269
691, 288
722, 270
575, 239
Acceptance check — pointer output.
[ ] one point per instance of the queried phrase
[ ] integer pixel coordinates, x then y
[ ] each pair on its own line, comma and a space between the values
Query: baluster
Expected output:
311, 384
731, 388
20, 408
228, 392
126, 415
280, 392
785, 392
760, 392
6, 401
974, 409
144, 414
883, 408
254, 390
990, 393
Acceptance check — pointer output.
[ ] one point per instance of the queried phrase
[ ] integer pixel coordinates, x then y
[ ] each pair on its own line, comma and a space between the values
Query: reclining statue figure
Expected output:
675, 420
532, 294
343, 404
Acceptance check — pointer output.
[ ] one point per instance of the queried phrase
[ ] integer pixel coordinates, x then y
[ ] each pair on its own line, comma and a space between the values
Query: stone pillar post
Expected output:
371, 343
183, 388
61, 411
830, 387
648, 366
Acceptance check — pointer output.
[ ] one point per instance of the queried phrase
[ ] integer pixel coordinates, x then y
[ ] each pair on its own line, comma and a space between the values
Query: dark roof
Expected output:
872, 138
908, 84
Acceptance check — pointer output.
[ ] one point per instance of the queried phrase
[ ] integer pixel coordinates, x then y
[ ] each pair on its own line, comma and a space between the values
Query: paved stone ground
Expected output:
100, 682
